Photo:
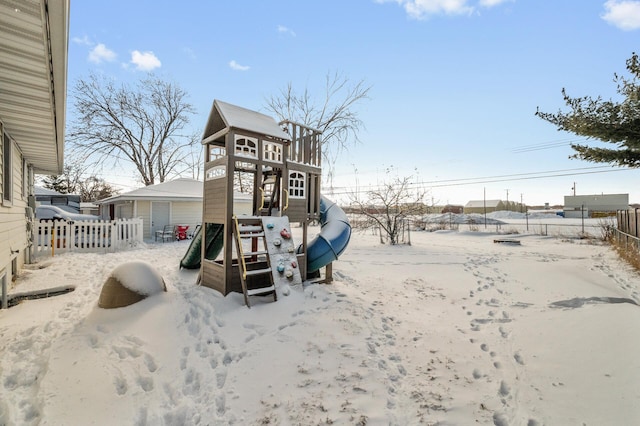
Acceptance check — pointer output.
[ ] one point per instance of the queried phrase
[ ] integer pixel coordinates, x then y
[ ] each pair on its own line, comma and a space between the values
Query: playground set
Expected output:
280, 165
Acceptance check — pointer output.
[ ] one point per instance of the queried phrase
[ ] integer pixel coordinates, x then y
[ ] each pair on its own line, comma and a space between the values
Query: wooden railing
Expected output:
89, 236
305, 145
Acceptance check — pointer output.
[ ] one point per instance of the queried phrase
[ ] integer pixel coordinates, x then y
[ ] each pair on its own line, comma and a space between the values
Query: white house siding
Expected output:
124, 210
13, 224
187, 213
181, 212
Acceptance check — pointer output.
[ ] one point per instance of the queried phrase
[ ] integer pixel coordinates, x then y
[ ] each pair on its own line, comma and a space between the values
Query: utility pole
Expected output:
484, 203
507, 199
574, 189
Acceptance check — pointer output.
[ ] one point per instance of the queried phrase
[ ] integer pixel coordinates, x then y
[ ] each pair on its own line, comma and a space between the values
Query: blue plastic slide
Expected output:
335, 232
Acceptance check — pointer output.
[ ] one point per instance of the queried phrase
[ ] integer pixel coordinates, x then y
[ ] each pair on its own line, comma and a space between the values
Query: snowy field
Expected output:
454, 329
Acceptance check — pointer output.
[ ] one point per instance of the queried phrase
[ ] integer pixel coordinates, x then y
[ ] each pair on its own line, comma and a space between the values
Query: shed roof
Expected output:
33, 75
225, 116
181, 189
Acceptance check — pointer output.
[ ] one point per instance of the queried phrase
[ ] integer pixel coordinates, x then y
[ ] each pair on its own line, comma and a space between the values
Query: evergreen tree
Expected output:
55, 183
617, 123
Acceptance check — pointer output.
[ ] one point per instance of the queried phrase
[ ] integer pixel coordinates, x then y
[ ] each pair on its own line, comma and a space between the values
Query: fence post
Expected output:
115, 235
3, 278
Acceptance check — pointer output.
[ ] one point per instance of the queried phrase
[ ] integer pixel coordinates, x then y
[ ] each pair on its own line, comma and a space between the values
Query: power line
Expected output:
493, 179
515, 175
547, 145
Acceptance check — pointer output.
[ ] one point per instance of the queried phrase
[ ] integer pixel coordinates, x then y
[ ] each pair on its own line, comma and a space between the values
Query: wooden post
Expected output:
328, 273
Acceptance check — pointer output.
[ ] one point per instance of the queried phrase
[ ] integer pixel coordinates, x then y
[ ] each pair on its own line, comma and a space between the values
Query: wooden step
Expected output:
249, 220
251, 234
259, 291
254, 253
258, 272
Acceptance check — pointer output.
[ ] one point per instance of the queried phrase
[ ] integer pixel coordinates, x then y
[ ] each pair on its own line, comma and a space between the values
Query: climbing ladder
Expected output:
270, 191
253, 273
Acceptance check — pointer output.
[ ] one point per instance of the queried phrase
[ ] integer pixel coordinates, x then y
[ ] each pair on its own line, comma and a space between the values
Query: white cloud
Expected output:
82, 40
623, 14
101, 53
145, 61
236, 66
492, 3
284, 30
422, 9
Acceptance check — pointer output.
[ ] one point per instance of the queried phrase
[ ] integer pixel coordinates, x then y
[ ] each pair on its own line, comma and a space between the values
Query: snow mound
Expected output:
130, 283
139, 277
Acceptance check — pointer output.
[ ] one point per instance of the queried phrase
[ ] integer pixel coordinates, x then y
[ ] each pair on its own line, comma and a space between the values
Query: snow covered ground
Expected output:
454, 329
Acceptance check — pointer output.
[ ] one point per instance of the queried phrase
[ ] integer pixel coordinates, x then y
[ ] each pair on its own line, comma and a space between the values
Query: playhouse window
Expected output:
246, 146
216, 152
297, 184
272, 152
243, 165
216, 172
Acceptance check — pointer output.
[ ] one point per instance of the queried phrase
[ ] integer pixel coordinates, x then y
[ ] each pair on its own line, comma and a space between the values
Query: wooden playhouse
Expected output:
279, 164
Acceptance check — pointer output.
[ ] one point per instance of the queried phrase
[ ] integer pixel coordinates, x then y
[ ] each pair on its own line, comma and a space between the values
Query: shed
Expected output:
173, 202
169, 203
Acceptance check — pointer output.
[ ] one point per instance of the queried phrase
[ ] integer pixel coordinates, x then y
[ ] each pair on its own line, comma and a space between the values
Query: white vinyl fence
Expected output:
90, 236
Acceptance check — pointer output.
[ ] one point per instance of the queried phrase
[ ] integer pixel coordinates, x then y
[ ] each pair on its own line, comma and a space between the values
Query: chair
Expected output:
168, 233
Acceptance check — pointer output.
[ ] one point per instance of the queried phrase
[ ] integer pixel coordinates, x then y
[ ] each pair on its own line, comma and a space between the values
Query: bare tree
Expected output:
76, 180
192, 161
390, 204
334, 114
94, 188
140, 125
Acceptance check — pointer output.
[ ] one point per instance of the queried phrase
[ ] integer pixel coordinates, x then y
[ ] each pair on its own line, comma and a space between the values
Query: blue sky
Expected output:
455, 83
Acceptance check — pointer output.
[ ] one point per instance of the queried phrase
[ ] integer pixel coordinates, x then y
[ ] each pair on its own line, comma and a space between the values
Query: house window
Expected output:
272, 152
7, 197
246, 146
296, 184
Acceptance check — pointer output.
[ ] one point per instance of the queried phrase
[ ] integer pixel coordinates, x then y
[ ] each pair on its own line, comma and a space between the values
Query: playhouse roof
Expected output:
175, 190
225, 116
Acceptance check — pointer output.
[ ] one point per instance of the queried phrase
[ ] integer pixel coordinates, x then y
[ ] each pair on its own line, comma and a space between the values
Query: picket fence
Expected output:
86, 236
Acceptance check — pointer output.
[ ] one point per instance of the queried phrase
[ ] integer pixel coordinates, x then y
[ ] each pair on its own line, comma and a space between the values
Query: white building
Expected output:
576, 206
34, 40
